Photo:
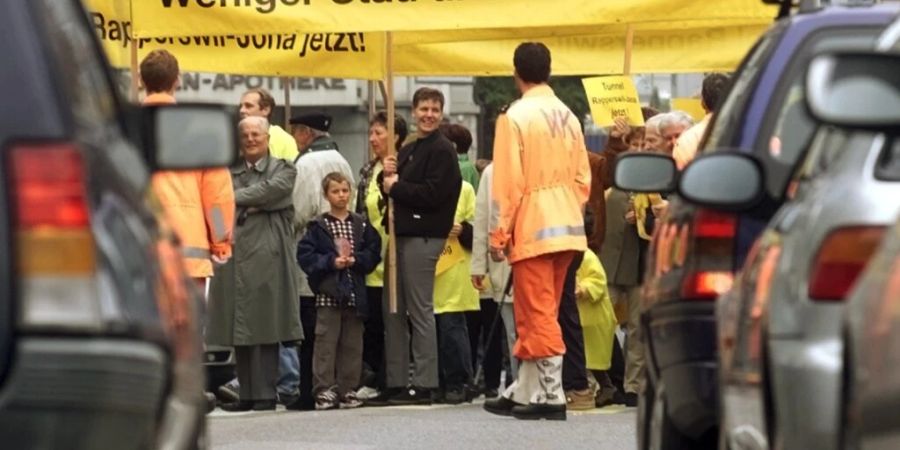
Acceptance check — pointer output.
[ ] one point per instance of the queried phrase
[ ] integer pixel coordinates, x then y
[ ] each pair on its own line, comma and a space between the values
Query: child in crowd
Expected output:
338, 250
598, 323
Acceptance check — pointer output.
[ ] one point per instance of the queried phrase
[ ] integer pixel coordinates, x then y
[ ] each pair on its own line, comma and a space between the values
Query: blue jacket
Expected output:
316, 253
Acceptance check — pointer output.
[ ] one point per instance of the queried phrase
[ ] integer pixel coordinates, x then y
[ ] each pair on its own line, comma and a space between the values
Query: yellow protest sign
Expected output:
689, 105
164, 18
452, 254
613, 96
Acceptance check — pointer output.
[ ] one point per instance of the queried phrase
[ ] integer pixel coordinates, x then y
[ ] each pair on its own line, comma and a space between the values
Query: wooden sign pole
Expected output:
387, 90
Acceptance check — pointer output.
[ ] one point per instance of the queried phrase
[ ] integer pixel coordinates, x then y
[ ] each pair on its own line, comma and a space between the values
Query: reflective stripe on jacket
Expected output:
541, 177
199, 205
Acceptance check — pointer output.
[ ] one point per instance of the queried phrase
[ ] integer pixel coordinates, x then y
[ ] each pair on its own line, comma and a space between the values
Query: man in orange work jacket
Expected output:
541, 183
198, 203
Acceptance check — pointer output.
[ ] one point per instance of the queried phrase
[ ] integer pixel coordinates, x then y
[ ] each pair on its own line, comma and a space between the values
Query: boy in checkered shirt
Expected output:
338, 250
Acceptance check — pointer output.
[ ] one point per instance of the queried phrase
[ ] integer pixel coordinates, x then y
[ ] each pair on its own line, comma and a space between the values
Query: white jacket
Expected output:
486, 215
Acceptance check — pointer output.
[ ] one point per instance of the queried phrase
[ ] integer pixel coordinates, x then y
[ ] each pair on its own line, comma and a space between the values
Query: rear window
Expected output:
888, 167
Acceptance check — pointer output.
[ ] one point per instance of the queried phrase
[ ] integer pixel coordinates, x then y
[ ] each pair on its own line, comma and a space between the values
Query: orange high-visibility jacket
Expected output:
199, 205
542, 178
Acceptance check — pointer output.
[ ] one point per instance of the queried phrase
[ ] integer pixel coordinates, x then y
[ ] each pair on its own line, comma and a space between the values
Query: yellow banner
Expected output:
691, 106
611, 97
654, 51
320, 55
452, 254
164, 18
673, 46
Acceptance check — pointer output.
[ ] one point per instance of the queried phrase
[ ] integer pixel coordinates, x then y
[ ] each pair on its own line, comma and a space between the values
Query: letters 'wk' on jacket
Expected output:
541, 177
199, 205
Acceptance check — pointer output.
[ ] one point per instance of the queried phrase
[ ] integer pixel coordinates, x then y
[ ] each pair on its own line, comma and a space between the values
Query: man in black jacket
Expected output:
424, 182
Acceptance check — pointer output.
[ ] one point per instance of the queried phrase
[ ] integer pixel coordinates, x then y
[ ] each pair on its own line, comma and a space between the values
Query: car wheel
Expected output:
663, 434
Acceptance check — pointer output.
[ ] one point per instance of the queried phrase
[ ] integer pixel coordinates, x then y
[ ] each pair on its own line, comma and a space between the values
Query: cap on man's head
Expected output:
321, 122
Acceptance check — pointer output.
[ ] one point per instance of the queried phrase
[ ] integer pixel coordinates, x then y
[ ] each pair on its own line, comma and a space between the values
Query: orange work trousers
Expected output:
537, 286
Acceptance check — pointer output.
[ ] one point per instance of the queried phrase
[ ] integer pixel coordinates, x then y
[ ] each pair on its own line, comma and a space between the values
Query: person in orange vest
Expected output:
541, 183
199, 204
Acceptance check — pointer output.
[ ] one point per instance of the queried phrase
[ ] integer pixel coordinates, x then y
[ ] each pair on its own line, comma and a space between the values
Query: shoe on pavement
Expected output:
382, 398
500, 406
455, 396
538, 411
631, 399
327, 399
411, 396
230, 391
264, 405
364, 393
210, 401
581, 400
490, 393
288, 399
606, 396
350, 401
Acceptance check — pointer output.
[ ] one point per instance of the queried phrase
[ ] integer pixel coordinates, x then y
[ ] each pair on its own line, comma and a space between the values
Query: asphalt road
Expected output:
419, 427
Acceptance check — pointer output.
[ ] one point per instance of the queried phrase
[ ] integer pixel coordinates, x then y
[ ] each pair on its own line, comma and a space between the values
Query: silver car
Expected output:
780, 328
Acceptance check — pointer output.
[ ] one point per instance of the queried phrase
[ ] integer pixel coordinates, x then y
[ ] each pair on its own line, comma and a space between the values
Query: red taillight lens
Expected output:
48, 184
706, 285
712, 225
841, 258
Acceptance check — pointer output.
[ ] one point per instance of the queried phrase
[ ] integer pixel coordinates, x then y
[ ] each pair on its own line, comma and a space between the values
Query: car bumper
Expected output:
680, 338
81, 393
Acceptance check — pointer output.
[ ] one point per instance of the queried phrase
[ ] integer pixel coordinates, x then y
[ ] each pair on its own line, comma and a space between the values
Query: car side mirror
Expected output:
645, 172
188, 136
857, 89
728, 181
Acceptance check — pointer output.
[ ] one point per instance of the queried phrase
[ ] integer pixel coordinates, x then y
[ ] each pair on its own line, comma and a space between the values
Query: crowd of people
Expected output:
536, 250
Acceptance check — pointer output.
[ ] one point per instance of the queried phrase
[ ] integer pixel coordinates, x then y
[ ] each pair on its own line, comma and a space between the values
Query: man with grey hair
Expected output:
653, 141
252, 298
671, 125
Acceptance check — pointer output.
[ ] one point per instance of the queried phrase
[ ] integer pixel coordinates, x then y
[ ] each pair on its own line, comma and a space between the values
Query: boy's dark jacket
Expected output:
316, 253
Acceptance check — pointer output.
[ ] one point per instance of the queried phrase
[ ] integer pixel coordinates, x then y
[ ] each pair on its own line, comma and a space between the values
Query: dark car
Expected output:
99, 326
695, 251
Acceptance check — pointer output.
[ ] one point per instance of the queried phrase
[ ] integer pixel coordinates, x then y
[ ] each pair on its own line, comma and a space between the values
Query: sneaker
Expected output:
288, 399
327, 399
581, 400
230, 391
411, 396
350, 401
365, 393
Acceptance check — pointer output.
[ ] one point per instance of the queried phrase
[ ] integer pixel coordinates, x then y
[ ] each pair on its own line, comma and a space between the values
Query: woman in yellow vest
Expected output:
453, 296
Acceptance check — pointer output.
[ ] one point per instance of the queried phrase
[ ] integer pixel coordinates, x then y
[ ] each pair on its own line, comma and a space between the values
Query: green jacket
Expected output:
468, 171
253, 297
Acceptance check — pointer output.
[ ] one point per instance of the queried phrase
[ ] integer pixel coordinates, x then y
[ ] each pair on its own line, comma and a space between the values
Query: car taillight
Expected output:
709, 284
706, 285
55, 251
841, 258
714, 225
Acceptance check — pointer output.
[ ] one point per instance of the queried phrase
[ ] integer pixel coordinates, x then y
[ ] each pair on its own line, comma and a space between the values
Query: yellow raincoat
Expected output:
598, 320
453, 290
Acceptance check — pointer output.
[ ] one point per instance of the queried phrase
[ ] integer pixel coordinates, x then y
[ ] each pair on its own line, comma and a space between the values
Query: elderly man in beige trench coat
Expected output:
253, 298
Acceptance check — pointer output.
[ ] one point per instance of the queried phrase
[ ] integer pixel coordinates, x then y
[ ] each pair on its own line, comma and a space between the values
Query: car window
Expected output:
829, 144
75, 53
788, 129
888, 167
730, 112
